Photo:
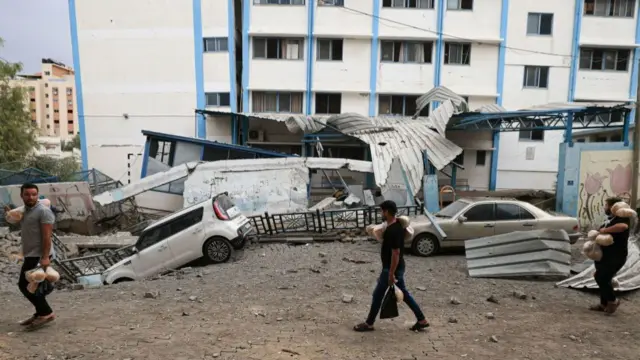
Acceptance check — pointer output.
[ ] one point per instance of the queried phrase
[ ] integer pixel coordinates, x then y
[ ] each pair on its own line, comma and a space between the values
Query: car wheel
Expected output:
239, 244
217, 250
121, 280
425, 245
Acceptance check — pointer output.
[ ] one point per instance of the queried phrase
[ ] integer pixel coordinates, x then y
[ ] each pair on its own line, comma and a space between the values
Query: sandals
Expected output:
363, 327
419, 326
612, 307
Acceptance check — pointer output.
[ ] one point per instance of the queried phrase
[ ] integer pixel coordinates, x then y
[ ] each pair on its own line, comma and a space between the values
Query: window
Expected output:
277, 102
278, 2
459, 159
47, 116
46, 85
604, 59
458, 54
69, 91
33, 100
330, 49
186, 221
411, 4
328, 103
532, 135
69, 111
69, 122
70, 102
512, 212
406, 52
152, 237
47, 73
580, 140
481, 157
46, 95
54, 91
331, 2
403, 105
536, 77
481, 212
31, 88
46, 105
218, 99
56, 111
616, 8
161, 151
539, 24
616, 137
216, 44
459, 4
344, 152
278, 48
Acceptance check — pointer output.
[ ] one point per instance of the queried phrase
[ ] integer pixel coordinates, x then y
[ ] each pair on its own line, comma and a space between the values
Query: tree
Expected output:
62, 168
17, 132
71, 144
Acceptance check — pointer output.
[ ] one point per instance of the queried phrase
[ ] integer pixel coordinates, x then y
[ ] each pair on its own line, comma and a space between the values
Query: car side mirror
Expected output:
462, 219
134, 250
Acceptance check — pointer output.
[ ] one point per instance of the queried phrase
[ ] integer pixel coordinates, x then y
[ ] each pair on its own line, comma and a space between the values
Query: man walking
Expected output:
613, 258
393, 267
36, 226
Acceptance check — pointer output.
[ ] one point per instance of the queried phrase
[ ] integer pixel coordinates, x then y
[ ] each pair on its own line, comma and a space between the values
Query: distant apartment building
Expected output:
148, 65
51, 99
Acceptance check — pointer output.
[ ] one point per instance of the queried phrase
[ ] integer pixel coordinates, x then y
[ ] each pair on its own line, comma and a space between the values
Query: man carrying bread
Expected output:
36, 228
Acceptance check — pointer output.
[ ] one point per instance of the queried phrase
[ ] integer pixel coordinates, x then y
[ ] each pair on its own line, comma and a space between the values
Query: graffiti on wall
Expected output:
603, 174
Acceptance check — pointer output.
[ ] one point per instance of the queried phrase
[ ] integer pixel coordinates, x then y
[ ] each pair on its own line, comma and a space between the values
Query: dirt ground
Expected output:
281, 302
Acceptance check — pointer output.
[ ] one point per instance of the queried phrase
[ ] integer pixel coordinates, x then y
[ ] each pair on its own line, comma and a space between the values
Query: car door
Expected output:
185, 240
152, 252
479, 221
513, 217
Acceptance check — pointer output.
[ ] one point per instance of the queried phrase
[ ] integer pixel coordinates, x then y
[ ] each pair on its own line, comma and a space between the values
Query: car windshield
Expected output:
452, 209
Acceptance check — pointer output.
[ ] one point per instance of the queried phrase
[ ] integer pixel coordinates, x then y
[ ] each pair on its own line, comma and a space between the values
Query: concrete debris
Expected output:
519, 295
493, 299
352, 201
347, 298
454, 301
151, 294
490, 316
493, 339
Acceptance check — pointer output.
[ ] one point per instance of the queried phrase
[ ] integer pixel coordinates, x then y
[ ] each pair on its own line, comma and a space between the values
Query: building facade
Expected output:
51, 100
148, 65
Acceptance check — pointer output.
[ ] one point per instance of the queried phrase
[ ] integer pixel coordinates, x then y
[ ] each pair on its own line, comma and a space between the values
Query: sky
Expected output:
35, 29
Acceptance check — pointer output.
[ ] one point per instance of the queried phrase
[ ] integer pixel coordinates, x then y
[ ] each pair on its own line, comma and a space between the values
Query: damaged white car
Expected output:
210, 229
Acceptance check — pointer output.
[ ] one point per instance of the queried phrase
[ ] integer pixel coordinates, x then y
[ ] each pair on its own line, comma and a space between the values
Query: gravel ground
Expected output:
281, 302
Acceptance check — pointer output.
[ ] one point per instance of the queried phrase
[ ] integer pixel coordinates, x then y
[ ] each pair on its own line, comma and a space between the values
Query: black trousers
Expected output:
38, 301
606, 269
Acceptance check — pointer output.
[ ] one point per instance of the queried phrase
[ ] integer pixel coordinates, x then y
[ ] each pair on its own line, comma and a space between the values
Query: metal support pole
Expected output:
636, 153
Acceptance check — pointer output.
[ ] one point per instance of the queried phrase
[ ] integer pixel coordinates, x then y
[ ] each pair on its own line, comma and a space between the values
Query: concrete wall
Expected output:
72, 197
593, 172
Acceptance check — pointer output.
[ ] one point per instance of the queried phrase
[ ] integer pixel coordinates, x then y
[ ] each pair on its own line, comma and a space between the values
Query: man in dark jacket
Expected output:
613, 259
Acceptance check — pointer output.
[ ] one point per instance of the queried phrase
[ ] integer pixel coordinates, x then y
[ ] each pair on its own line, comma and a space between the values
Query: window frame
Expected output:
279, 40
447, 57
339, 3
521, 211
616, 61
331, 49
392, 4
629, 13
531, 133
539, 72
218, 96
218, 41
539, 28
459, 5
404, 49
492, 213
328, 95
278, 93
279, 2
404, 105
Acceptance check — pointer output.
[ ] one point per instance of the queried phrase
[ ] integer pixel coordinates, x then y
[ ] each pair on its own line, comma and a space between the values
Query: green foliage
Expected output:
63, 168
17, 133
71, 144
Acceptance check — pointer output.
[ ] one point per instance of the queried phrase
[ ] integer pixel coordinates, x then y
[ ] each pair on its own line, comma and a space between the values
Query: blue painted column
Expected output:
246, 18
375, 47
575, 48
75, 48
145, 158
233, 84
430, 191
198, 53
633, 86
311, 6
437, 62
502, 55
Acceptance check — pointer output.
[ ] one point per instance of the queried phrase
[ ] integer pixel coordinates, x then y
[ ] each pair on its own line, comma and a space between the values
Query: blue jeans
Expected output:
381, 290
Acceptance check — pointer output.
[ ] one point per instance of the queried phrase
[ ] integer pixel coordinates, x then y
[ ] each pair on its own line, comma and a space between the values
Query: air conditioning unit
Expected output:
256, 135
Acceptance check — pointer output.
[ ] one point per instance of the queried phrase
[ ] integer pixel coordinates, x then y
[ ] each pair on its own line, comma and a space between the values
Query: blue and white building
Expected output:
146, 65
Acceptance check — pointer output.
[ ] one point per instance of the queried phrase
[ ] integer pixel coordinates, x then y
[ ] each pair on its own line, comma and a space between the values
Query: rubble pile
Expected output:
10, 248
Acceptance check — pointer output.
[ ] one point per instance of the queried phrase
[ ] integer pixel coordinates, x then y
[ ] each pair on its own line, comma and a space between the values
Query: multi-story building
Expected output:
148, 65
51, 99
